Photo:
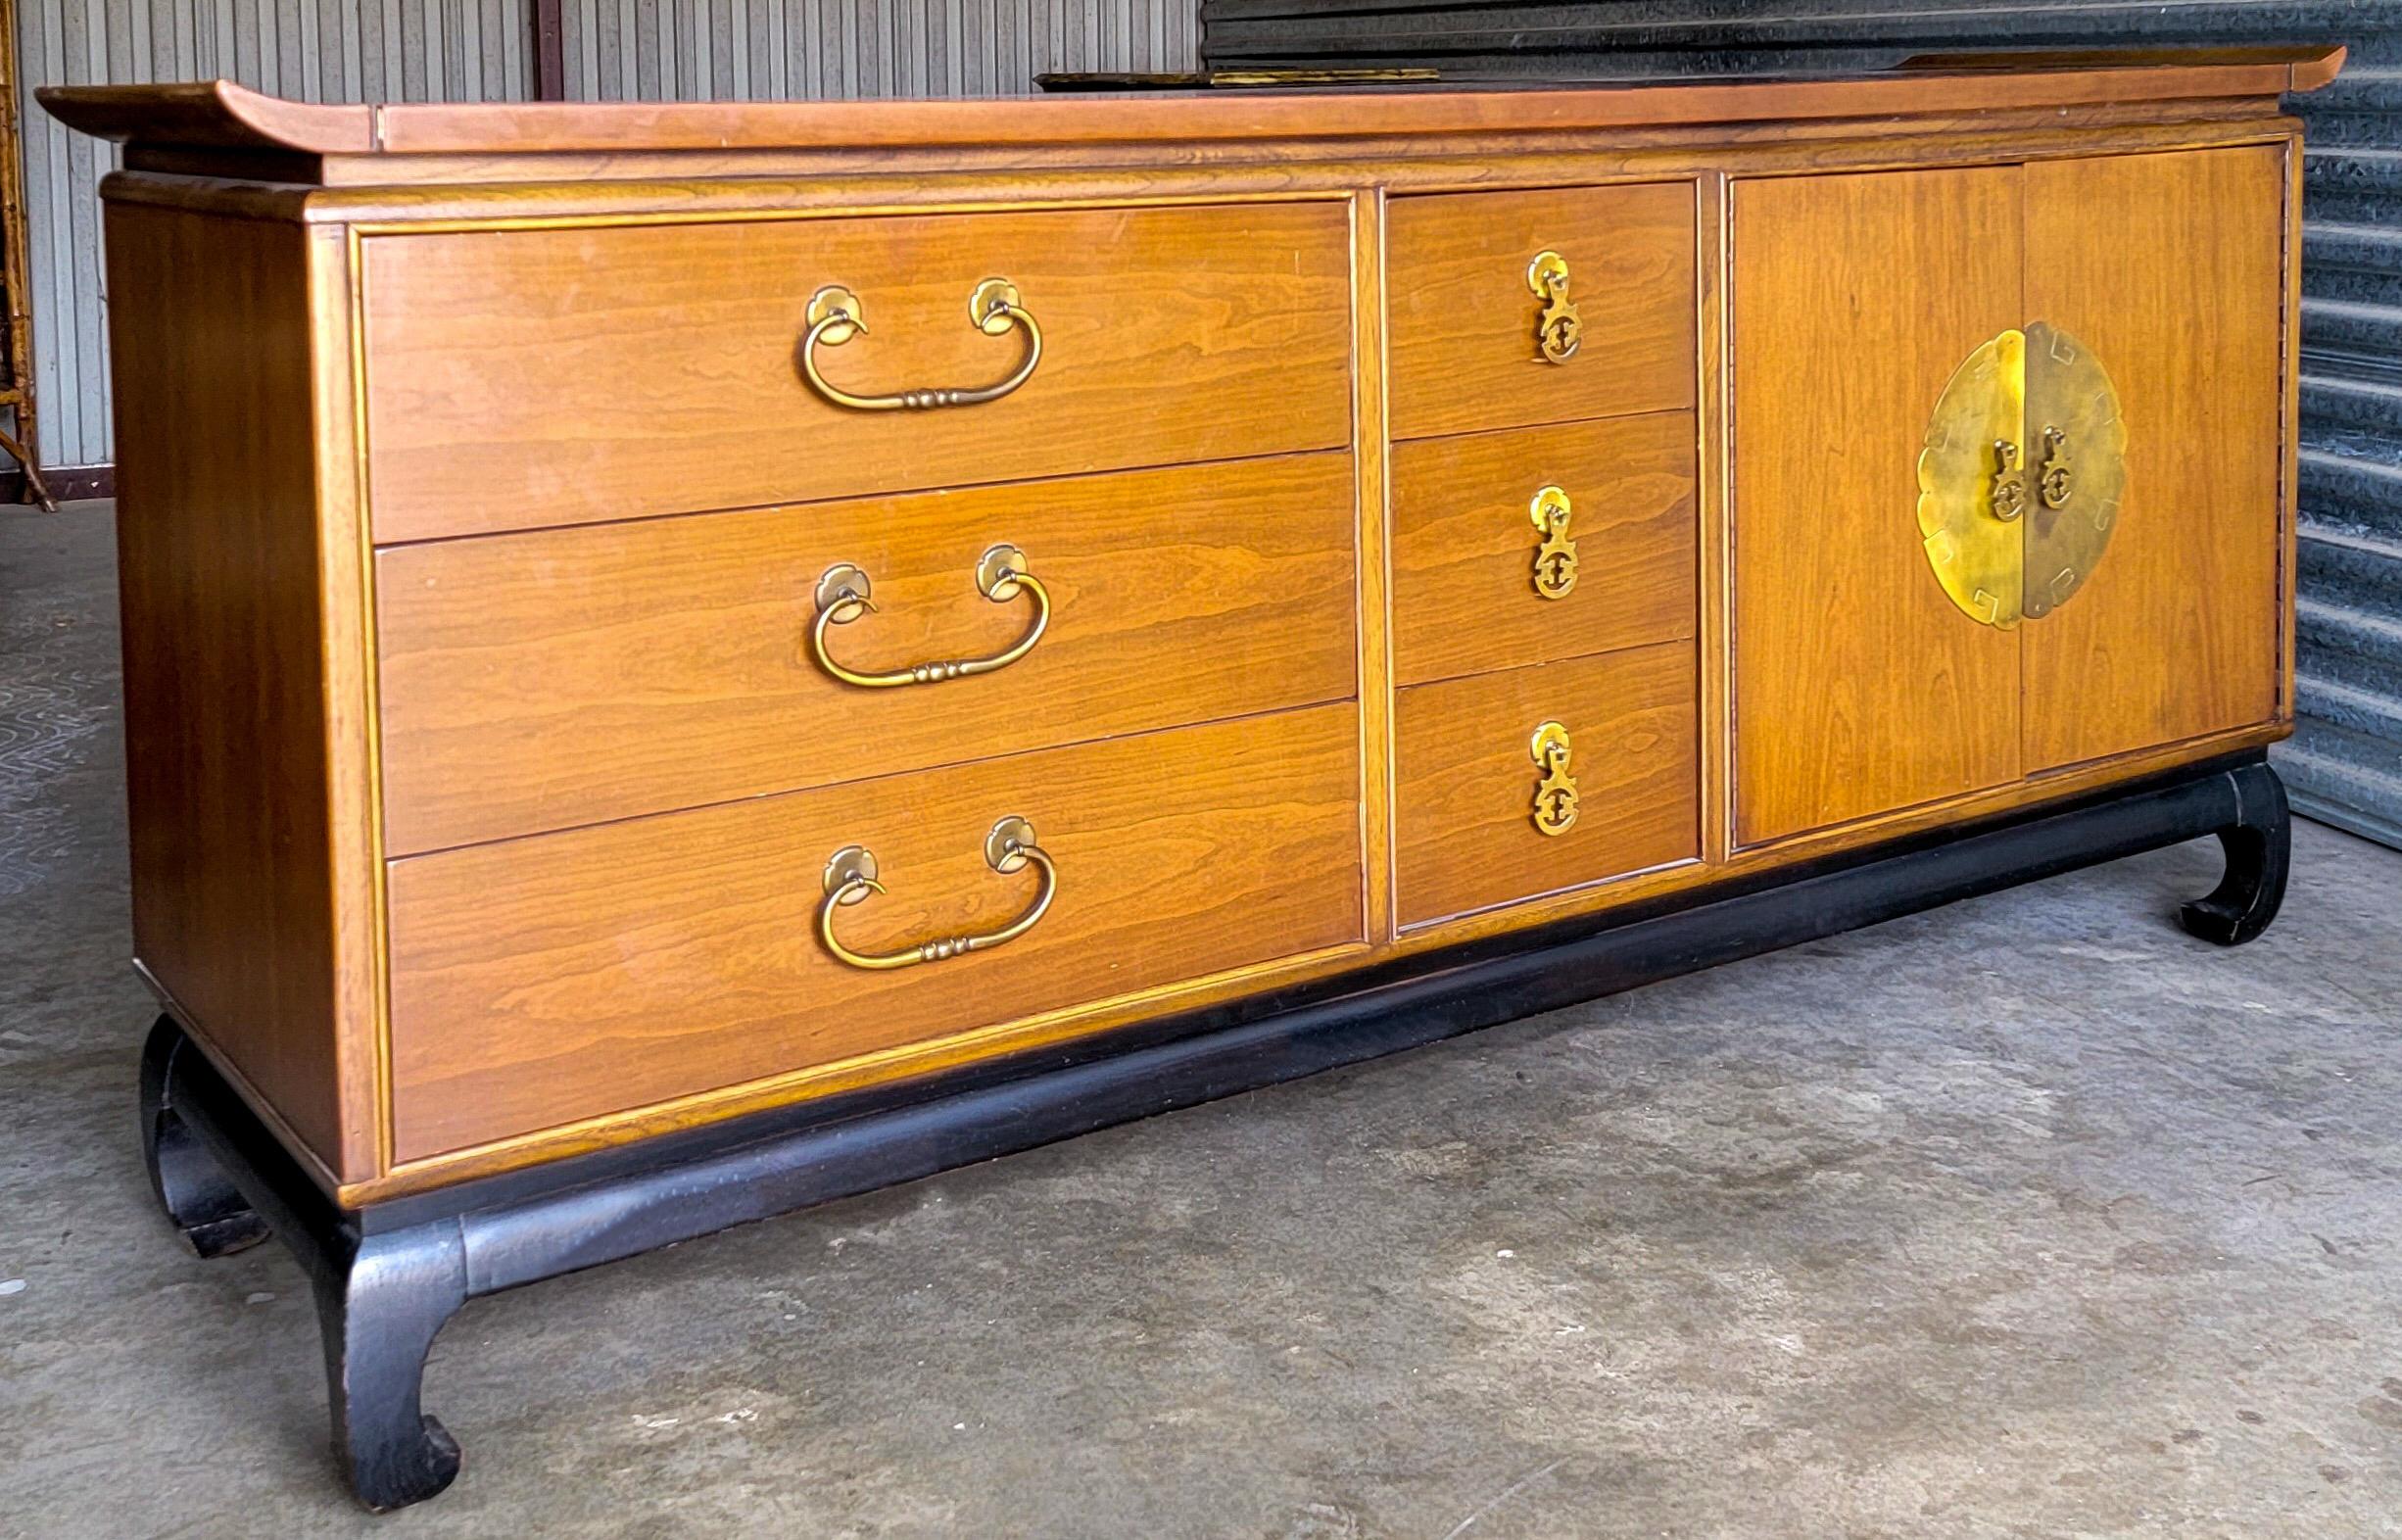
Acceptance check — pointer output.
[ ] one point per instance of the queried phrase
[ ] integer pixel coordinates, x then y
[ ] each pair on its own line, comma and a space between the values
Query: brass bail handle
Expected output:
1558, 329
842, 597
850, 875
835, 315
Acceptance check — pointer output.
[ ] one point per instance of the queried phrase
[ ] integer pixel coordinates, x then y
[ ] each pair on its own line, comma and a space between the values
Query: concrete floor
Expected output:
2031, 1216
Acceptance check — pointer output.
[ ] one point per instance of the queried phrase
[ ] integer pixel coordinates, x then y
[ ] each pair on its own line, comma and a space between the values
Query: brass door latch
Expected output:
1554, 804
1555, 554
2006, 551
1558, 329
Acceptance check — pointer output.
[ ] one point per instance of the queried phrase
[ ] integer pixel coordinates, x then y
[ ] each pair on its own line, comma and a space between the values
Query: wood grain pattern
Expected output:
1688, 877
2169, 268
1858, 687
1463, 350
549, 377
580, 1023
541, 981
1372, 459
534, 681
1464, 546
239, 585
221, 114
506, 191
1466, 781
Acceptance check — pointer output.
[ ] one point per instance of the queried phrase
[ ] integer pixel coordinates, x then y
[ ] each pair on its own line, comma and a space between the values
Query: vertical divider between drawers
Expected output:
1371, 454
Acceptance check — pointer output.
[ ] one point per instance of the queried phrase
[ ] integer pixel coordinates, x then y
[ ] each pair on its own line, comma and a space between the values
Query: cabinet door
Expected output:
2169, 268
1858, 686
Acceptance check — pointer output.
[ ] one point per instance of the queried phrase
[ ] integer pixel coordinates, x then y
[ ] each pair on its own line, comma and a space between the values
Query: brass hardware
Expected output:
1558, 329
835, 315
1976, 557
844, 596
1554, 805
2006, 544
2052, 484
2008, 497
850, 875
1556, 555
2070, 392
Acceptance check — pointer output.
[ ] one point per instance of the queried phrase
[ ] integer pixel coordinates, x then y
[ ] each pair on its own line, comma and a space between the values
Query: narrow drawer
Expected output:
539, 981
1470, 783
1464, 315
1536, 544
560, 677
524, 378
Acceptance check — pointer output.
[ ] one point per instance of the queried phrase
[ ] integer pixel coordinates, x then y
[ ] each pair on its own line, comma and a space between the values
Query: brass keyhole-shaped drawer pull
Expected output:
850, 875
842, 597
835, 315
2009, 494
1554, 804
1558, 329
1555, 554
2052, 481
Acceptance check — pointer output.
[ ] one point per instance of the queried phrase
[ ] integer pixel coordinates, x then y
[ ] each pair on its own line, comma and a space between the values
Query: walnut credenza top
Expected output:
639, 613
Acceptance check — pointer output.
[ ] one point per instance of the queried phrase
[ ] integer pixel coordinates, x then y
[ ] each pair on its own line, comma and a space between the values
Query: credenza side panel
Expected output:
246, 781
1858, 687
2170, 268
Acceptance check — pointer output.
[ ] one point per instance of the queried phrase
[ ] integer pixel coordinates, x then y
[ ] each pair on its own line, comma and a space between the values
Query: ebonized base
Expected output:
387, 1278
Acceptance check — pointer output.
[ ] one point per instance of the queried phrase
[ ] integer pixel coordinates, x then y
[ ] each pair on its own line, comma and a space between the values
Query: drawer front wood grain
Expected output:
520, 379
1466, 545
1463, 353
560, 677
567, 976
1465, 837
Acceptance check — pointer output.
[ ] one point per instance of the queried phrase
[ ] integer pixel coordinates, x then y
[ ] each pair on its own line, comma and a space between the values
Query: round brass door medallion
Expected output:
2019, 481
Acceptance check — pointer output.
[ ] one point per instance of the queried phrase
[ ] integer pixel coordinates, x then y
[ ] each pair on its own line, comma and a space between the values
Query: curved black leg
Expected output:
194, 1189
380, 1313
2258, 847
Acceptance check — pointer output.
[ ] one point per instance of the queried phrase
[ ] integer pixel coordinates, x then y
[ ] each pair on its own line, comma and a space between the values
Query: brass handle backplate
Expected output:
835, 315
1555, 554
1558, 329
1554, 804
2013, 523
850, 875
842, 597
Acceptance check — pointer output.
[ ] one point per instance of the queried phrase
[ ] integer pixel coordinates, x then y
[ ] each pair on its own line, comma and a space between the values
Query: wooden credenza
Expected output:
682, 660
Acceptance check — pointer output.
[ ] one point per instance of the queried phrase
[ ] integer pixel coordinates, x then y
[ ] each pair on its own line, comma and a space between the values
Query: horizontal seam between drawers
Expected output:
392, 858
1341, 446
1687, 634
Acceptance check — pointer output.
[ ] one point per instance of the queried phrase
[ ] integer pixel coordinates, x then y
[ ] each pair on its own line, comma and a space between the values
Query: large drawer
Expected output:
557, 677
539, 981
1464, 315
1469, 783
535, 377
1536, 544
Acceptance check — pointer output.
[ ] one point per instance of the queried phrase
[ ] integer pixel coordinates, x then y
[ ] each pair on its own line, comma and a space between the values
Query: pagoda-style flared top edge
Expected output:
219, 115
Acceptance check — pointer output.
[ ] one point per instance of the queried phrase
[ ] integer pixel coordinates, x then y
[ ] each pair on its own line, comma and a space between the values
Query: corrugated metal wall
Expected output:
469, 50
321, 50
2344, 764
639, 50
